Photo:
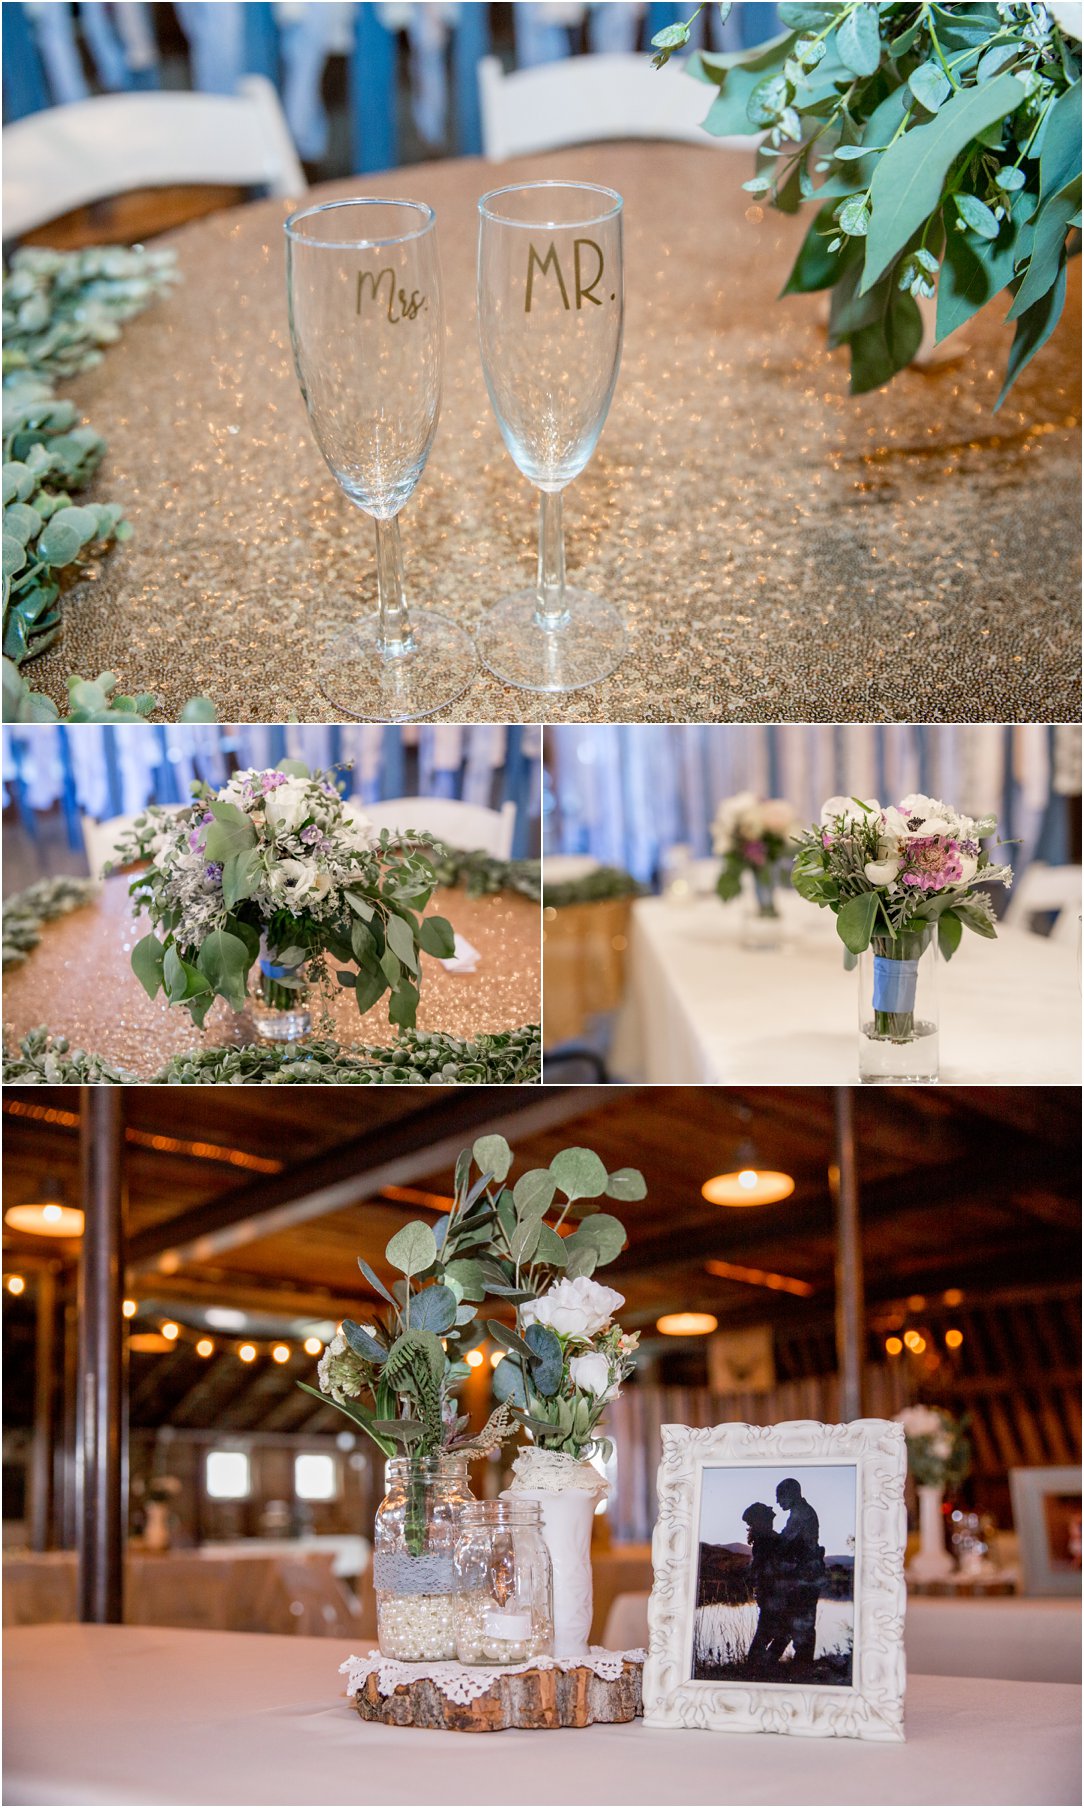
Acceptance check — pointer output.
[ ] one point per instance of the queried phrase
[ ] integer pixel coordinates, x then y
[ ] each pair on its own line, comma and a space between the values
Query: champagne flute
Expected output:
367, 329
550, 319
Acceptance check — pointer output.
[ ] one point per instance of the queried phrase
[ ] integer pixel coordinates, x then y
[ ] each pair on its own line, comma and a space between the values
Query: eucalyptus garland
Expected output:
25, 913
480, 874
604, 884
941, 148
417, 1057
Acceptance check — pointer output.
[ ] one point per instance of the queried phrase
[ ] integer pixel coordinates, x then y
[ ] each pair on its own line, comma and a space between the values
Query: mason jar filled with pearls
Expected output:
417, 1523
504, 1583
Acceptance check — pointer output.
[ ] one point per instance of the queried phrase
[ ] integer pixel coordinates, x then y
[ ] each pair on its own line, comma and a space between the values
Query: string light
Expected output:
953, 1339
171, 1331
313, 1346
495, 1357
475, 1359
281, 1352
914, 1341
894, 1346
205, 1347
247, 1352
129, 1308
16, 1284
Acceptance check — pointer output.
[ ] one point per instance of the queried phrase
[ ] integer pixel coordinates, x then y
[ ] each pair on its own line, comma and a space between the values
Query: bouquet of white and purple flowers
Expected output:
896, 878
754, 835
276, 869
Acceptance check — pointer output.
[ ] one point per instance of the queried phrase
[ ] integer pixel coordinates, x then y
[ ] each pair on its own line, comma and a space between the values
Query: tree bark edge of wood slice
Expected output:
536, 1700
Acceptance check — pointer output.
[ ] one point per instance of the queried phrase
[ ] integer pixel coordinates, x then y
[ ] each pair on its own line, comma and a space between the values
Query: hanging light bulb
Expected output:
49, 1215
747, 1183
15, 1284
687, 1324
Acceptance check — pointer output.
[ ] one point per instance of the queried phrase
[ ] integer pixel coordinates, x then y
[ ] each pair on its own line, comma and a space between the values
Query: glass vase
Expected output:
279, 1000
762, 928
504, 1584
897, 1009
417, 1525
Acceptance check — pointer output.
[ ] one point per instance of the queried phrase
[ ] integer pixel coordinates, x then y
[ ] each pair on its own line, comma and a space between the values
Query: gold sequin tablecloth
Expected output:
79, 983
781, 551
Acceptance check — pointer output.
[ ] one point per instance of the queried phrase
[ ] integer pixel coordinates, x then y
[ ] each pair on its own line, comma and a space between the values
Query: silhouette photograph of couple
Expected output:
775, 1581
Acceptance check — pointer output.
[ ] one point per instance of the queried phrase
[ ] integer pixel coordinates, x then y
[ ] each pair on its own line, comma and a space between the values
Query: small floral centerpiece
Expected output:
531, 1245
938, 1449
939, 1459
939, 147
903, 883
275, 872
754, 836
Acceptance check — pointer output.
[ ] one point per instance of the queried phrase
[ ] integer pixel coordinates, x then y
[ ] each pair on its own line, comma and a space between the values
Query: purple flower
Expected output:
930, 863
272, 780
213, 871
310, 834
755, 852
196, 842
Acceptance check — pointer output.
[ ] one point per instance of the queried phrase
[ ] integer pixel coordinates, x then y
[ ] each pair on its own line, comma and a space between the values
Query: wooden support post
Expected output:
41, 1454
102, 1410
850, 1303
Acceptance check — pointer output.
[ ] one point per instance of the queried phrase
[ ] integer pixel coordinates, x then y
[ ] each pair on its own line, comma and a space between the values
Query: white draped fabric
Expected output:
626, 794
701, 1009
108, 1714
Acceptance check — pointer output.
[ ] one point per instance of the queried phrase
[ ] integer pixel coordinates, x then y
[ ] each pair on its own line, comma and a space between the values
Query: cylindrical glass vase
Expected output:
897, 1009
279, 1000
504, 1584
417, 1525
762, 928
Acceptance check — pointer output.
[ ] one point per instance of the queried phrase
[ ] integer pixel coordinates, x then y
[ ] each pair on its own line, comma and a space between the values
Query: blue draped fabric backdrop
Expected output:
104, 772
626, 794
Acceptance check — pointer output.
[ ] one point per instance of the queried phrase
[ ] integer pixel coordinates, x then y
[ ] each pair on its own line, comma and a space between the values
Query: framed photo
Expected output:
1046, 1514
779, 1596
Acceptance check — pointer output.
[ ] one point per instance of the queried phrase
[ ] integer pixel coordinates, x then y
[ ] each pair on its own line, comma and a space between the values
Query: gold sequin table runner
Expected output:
780, 550
79, 983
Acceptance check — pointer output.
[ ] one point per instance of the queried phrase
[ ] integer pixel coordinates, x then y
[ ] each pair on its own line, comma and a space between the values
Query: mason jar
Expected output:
417, 1523
503, 1582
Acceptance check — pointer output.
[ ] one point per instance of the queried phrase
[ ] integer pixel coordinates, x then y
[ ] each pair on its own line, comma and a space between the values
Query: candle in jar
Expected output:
508, 1625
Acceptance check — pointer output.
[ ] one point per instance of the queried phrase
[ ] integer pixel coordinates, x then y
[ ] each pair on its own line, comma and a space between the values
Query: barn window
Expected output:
316, 1476
229, 1475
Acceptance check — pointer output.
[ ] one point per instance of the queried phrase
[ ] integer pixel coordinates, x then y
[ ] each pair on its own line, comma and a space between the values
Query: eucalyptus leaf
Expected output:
413, 1249
859, 39
533, 1192
433, 1309
363, 1343
579, 1173
855, 920
493, 1156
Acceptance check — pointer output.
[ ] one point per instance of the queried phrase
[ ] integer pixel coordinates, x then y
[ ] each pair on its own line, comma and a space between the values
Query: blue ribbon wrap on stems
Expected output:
894, 984
273, 972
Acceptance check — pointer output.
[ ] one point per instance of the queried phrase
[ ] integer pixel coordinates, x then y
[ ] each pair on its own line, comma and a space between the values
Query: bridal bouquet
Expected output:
274, 868
894, 875
938, 1450
902, 881
754, 836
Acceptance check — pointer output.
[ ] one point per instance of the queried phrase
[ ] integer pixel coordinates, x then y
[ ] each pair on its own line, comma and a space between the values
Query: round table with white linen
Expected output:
700, 1008
123, 1714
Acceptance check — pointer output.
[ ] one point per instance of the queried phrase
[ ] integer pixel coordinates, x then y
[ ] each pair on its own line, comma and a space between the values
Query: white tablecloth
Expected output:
1007, 1637
118, 1715
700, 1008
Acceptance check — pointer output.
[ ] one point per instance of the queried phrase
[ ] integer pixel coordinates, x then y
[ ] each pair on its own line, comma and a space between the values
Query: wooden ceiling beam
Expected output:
394, 1154
250, 1294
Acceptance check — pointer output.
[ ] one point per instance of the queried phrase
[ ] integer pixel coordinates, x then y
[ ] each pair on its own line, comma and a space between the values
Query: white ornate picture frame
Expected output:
1031, 1491
871, 1706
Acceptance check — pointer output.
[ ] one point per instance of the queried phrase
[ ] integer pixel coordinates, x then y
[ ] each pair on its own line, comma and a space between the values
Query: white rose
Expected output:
287, 806
881, 872
579, 1308
591, 1374
969, 866
849, 809
920, 1422
357, 831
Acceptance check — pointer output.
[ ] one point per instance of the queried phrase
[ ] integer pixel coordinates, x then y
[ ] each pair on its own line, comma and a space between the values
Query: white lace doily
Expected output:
464, 1683
554, 1472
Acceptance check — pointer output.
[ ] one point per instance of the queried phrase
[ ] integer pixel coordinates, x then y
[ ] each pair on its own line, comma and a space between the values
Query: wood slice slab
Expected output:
539, 1699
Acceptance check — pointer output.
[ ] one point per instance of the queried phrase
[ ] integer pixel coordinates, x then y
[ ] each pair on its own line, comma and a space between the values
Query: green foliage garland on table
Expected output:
941, 147
416, 1057
601, 886
481, 874
59, 310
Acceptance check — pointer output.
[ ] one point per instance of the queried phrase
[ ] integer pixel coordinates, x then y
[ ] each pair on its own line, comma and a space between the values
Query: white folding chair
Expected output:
100, 838
1042, 891
583, 99
473, 827
67, 157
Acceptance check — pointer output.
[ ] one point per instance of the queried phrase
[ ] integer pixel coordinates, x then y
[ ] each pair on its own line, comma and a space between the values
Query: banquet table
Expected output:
780, 550
79, 982
224, 1588
118, 1715
701, 1008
